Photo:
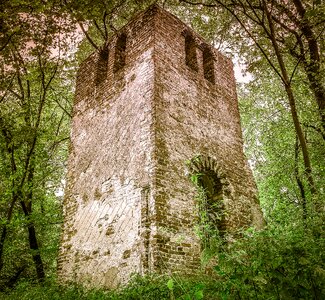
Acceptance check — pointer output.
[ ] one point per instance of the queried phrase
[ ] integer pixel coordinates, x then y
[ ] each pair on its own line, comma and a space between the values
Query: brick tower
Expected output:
154, 106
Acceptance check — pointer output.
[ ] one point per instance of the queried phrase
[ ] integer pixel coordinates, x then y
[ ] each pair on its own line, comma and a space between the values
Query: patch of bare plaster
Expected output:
111, 279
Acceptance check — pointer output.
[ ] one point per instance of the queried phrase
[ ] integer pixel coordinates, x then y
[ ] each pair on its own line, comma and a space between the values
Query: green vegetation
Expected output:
282, 109
286, 263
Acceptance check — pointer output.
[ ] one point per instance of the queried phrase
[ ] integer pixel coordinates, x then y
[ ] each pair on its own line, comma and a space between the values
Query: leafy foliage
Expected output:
276, 263
35, 104
40, 45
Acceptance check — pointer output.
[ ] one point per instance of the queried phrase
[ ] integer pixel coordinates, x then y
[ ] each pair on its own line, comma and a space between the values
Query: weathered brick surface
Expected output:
129, 204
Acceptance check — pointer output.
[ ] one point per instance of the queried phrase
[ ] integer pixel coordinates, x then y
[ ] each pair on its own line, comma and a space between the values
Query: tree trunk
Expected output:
292, 103
27, 209
312, 67
299, 182
33, 244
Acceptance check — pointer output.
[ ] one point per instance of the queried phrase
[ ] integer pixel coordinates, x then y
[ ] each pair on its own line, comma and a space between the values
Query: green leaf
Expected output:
170, 284
198, 295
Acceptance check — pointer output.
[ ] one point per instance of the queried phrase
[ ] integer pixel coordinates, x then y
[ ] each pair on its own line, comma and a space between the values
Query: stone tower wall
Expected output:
110, 165
129, 205
195, 117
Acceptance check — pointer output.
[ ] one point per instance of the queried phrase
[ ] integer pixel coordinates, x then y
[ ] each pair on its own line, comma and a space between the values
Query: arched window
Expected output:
211, 205
212, 187
208, 64
190, 52
119, 61
101, 71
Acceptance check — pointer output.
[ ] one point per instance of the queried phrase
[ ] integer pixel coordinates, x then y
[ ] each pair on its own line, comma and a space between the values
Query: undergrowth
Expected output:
286, 263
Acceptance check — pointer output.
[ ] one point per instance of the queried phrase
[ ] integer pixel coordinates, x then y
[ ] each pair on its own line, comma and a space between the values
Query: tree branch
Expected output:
87, 36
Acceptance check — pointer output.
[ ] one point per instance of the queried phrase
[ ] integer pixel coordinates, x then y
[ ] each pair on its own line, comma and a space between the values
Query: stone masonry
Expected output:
155, 105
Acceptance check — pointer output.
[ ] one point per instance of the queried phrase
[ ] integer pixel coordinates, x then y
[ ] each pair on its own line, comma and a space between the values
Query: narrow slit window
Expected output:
208, 65
101, 71
190, 52
119, 61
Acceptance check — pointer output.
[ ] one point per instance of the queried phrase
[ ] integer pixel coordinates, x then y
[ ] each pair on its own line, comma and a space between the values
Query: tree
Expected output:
99, 20
33, 118
272, 148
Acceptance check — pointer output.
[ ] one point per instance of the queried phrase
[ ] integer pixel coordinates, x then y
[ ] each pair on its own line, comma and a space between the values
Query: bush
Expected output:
285, 262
